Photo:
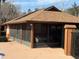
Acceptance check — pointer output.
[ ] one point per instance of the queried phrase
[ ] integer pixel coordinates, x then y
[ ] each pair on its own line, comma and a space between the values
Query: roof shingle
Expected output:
47, 16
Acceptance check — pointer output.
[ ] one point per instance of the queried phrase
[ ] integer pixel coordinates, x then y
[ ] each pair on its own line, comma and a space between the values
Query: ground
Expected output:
14, 50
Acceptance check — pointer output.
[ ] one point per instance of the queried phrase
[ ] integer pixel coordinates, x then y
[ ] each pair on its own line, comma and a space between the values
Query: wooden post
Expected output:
32, 36
68, 38
8, 32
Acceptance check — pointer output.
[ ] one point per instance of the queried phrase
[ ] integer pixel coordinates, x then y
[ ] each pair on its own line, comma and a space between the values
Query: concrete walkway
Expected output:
14, 50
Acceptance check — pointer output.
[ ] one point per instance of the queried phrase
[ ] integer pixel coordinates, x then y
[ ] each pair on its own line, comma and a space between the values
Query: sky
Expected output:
32, 4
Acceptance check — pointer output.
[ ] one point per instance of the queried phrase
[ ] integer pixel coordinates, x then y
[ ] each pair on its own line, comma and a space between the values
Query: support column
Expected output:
32, 36
8, 32
68, 38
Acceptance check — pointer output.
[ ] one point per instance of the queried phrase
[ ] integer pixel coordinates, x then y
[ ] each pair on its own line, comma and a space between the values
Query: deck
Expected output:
14, 50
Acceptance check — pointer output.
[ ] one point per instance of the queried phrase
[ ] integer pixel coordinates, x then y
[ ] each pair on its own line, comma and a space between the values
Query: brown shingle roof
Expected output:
47, 16
24, 19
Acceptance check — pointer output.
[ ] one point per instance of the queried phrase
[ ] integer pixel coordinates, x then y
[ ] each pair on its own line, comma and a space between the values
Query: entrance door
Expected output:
55, 35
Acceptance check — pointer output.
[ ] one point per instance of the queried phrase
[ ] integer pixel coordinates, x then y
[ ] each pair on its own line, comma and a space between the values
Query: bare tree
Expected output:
8, 11
2, 1
74, 10
36, 9
29, 10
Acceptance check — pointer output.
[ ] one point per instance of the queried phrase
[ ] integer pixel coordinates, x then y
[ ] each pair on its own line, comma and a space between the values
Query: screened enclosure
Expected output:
26, 34
12, 33
49, 35
75, 44
15, 33
21, 33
